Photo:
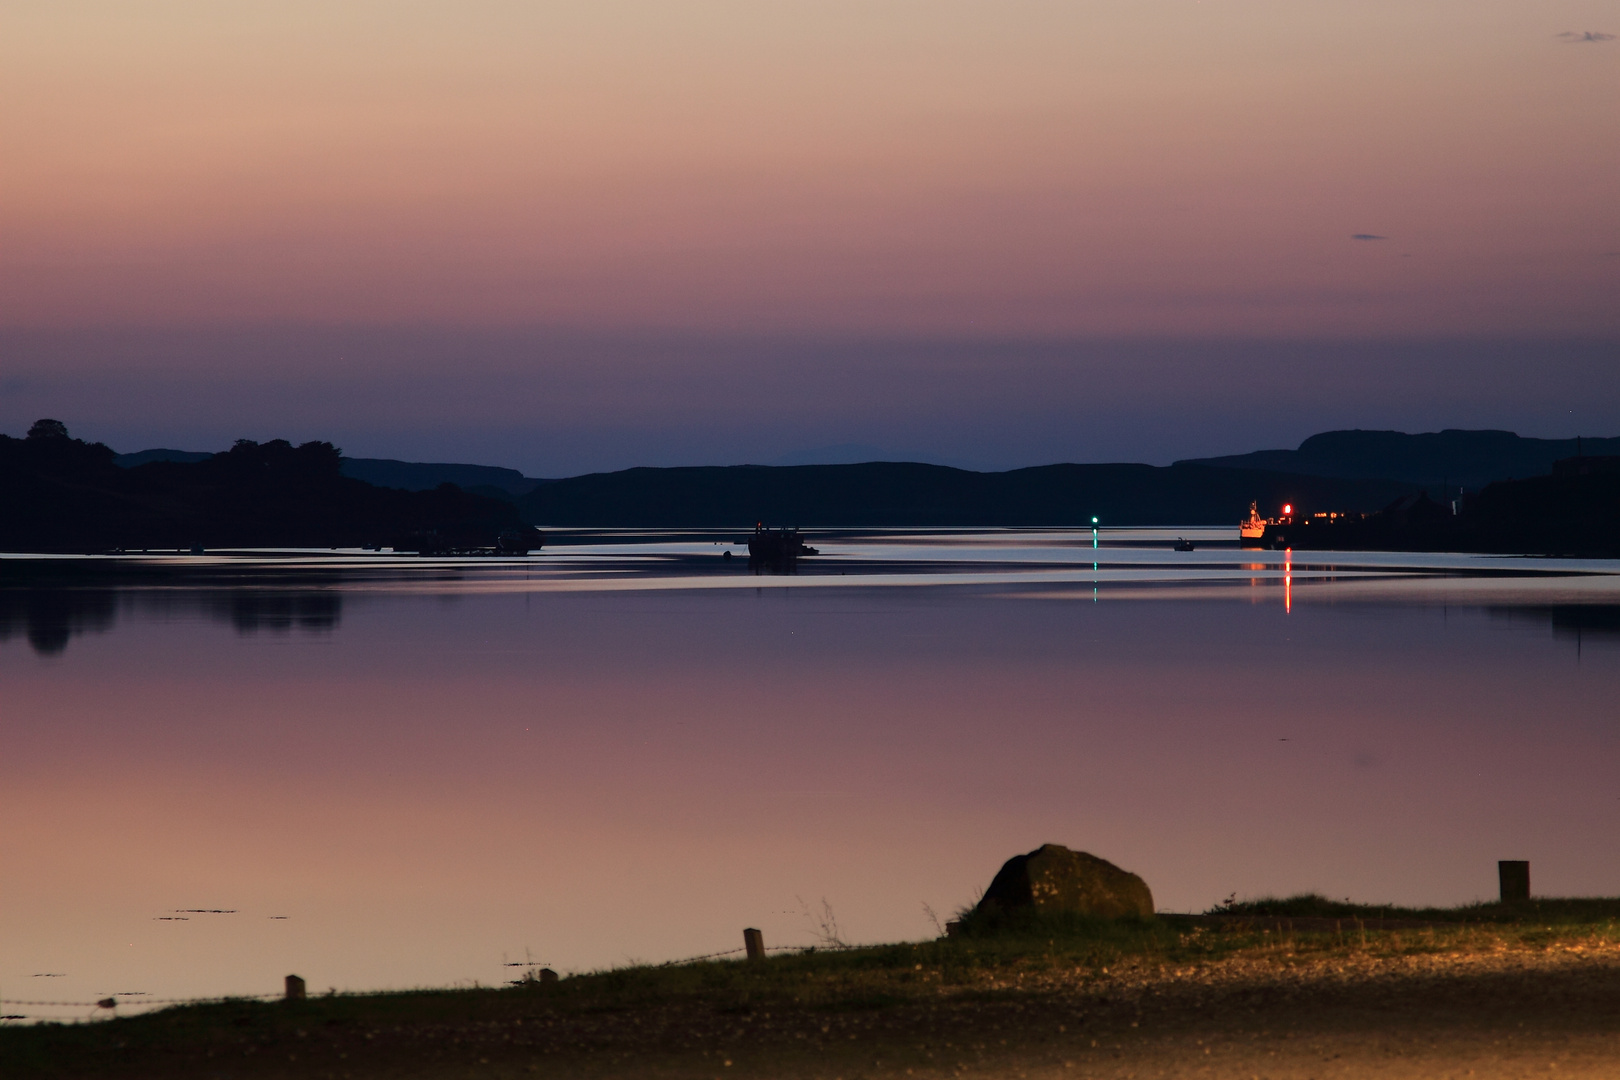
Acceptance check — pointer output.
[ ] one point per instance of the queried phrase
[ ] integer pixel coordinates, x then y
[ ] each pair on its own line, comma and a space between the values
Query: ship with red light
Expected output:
1258, 532
1288, 528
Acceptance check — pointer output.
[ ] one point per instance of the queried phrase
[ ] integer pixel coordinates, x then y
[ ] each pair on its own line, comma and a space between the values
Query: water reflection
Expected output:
51, 618
595, 761
48, 619
278, 612
1569, 620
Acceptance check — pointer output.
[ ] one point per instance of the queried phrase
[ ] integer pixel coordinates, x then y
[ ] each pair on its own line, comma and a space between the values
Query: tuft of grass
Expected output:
1570, 911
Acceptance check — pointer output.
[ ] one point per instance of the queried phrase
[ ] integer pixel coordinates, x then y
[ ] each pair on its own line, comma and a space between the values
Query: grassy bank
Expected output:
1057, 997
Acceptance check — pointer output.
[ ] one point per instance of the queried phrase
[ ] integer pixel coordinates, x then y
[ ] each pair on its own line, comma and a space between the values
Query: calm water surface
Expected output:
380, 772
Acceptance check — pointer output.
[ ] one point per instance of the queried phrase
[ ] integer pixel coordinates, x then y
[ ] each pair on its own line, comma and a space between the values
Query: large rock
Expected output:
1052, 878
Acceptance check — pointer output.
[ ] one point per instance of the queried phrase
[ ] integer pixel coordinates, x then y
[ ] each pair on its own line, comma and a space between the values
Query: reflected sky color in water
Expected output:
428, 776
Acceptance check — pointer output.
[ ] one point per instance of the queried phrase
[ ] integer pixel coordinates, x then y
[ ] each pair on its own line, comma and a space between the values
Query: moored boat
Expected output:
776, 549
1252, 530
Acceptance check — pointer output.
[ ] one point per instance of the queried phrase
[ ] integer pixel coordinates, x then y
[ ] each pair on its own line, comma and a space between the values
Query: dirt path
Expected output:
1506, 1013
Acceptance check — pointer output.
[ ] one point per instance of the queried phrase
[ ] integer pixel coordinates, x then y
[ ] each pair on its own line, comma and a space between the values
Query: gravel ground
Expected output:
1394, 1009
1505, 1012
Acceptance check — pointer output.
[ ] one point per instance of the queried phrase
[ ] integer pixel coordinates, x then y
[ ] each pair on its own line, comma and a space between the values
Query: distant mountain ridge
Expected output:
61, 494
913, 494
1353, 470
427, 475
384, 472
1575, 511
1460, 458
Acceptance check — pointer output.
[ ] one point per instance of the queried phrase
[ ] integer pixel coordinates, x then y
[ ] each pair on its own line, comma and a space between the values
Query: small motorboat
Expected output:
1183, 544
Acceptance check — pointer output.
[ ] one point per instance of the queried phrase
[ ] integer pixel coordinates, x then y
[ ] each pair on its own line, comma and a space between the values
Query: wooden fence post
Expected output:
1514, 877
754, 943
295, 988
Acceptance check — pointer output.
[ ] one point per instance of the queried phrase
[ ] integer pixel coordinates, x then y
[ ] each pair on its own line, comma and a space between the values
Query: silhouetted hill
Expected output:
1468, 459
143, 457
1573, 512
426, 475
384, 472
906, 494
63, 494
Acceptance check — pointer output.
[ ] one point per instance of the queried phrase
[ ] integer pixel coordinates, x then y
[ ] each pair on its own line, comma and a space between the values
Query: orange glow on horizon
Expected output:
1172, 168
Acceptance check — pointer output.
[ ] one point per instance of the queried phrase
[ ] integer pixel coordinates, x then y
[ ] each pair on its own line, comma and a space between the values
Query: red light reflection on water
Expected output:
1288, 581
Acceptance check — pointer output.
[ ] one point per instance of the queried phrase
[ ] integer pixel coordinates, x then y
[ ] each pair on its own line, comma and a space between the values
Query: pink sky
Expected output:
577, 236
940, 168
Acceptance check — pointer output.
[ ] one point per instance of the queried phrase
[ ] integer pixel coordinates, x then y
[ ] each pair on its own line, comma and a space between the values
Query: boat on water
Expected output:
1183, 544
776, 549
1252, 530
1259, 532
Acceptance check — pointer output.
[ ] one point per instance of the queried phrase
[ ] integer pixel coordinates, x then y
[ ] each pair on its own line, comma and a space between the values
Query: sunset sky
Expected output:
567, 236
